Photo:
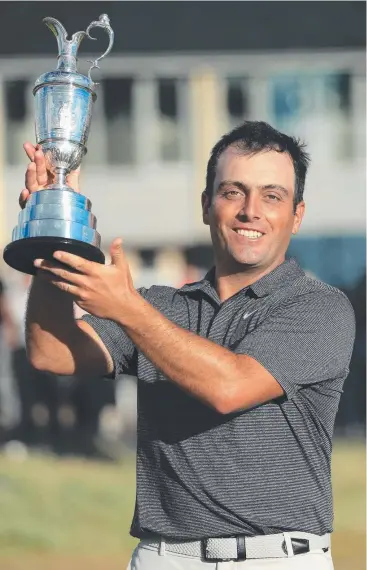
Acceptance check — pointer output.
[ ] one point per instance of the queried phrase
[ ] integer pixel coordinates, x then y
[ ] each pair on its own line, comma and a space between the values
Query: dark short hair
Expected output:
252, 137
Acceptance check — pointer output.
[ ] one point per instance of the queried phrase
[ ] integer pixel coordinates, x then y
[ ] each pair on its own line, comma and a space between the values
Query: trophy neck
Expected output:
66, 63
60, 177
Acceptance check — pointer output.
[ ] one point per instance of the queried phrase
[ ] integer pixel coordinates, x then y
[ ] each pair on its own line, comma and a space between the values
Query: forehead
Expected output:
260, 169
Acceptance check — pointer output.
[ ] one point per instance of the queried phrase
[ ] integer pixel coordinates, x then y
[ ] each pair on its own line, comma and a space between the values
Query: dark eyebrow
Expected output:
274, 187
236, 183
245, 188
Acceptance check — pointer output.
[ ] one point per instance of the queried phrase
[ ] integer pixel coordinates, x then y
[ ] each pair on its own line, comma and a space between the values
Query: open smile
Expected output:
252, 235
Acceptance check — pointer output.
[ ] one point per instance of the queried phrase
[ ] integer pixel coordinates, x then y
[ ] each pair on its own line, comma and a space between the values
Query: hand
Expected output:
106, 291
37, 176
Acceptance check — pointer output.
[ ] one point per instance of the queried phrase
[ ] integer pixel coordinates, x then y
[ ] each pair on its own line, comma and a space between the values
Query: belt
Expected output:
282, 545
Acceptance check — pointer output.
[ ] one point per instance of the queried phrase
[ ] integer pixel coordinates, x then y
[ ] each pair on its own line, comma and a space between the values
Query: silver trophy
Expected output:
57, 218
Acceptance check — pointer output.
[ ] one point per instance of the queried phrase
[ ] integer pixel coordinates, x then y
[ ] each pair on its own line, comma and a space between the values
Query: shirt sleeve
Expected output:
304, 341
117, 342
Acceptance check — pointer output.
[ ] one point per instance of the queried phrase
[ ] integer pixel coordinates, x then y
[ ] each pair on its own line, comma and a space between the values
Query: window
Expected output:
118, 108
237, 103
169, 104
316, 107
338, 91
17, 131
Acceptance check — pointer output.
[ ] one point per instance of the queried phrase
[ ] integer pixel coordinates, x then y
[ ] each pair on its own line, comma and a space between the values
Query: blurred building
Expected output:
181, 74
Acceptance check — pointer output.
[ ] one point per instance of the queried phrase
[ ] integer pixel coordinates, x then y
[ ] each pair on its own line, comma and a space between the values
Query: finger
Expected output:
76, 262
24, 195
30, 150
117, 253
60, 271
41, 170
73, 180
31, 181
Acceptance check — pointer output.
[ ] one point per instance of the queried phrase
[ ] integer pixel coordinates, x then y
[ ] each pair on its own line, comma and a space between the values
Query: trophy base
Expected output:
20, 254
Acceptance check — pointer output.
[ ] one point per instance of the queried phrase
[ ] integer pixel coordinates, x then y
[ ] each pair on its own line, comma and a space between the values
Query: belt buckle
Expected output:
205, 552
241, 550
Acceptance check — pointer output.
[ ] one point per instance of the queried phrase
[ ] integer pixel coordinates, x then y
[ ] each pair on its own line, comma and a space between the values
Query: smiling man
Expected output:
239, 375
253, 201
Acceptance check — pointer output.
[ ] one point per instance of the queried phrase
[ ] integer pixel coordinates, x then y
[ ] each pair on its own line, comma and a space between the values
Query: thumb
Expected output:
117, 253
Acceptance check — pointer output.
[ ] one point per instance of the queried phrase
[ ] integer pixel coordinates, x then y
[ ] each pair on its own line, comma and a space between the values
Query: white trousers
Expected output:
145, 558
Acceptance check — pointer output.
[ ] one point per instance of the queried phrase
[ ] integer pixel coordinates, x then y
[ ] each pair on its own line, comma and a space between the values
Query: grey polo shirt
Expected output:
264, 470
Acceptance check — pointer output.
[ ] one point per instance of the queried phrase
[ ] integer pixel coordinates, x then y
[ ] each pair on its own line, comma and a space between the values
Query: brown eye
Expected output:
232, 194
273, 198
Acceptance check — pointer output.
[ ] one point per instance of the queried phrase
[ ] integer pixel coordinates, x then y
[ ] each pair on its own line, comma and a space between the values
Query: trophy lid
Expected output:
68, 51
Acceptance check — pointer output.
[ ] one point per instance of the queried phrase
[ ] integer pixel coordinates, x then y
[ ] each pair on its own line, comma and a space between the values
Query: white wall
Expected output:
157, 203
159, 207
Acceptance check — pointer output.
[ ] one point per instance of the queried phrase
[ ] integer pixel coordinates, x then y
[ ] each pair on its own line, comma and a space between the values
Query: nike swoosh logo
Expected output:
247, 315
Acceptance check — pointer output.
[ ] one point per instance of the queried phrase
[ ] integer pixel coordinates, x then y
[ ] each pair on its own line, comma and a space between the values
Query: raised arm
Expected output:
259, 368
56, 341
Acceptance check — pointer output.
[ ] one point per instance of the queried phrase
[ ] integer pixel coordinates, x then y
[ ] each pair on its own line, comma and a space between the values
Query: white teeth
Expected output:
252, 234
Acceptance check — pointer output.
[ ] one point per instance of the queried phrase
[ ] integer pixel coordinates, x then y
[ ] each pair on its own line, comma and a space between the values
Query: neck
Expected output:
228, 283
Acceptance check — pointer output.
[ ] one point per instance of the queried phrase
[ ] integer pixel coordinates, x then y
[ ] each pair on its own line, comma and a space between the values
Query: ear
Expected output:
205, 204
298, 217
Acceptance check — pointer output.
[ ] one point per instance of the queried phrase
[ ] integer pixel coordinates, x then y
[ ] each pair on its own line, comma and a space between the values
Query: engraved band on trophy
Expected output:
58, 218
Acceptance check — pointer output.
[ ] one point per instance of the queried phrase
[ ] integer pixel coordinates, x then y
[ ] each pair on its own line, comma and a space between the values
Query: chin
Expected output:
239, 262
249, 262
250, 259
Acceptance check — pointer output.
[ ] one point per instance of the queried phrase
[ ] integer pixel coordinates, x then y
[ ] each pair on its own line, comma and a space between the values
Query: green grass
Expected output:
58, 513
53, 505
349, 487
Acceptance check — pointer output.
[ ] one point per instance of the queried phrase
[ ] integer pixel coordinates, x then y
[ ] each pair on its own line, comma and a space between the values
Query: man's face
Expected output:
251, 214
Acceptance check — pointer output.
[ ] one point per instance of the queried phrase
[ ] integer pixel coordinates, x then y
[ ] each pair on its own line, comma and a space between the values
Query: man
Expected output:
239, 375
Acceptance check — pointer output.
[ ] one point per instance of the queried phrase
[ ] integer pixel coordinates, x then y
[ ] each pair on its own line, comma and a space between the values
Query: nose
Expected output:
250, 208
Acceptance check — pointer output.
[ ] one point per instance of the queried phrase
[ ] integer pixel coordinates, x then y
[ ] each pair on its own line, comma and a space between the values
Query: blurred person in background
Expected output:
9, 406
239, 374
352, 411
37, 390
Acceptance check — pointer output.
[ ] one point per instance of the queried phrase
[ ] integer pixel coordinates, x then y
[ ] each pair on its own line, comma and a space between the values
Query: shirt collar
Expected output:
281, 276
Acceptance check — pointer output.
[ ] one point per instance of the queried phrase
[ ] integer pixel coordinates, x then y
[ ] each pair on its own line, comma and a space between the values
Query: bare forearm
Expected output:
49, 320
56, 341
206, 370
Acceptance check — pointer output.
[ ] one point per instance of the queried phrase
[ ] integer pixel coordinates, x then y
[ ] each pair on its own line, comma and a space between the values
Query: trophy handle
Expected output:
103, 22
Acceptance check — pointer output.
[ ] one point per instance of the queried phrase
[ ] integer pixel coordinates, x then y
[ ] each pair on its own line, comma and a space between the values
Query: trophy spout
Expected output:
68, 49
